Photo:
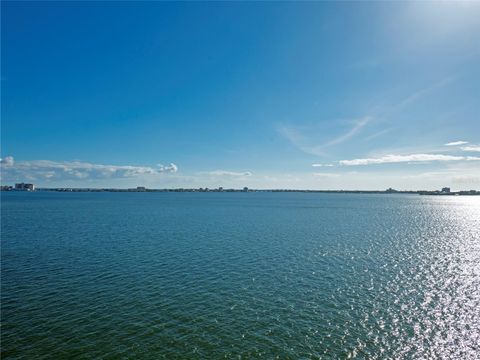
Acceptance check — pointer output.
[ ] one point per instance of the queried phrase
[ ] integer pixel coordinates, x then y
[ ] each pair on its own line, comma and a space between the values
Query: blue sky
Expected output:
327, 95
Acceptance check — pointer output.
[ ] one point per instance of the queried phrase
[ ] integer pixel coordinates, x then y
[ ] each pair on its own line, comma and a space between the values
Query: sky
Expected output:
310, 95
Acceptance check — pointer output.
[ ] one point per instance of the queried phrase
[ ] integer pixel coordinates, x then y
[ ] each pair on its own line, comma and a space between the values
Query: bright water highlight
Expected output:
250, 275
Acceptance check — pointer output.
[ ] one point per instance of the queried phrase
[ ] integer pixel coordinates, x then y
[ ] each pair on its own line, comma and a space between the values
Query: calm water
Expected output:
250, 275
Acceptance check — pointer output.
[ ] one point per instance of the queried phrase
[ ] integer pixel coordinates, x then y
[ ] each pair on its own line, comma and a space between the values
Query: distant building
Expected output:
24, 187
141, 188
445, 190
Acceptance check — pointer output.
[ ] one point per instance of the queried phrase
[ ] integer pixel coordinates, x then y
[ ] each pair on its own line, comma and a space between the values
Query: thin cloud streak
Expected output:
423, 92
413, 158
304, 143
377, 134
359, 124
456, 143
227, 173
475, 148
326, 175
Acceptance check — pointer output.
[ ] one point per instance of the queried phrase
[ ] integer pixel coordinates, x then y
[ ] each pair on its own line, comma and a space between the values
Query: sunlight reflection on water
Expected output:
251, 275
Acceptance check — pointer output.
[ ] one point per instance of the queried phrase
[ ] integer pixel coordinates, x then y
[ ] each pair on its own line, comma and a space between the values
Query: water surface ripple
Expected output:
239, 275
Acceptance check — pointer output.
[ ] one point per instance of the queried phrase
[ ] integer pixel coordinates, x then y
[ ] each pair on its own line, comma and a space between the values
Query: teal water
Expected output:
239, 275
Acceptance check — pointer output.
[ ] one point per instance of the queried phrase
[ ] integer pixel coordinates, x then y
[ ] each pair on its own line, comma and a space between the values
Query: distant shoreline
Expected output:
244, 190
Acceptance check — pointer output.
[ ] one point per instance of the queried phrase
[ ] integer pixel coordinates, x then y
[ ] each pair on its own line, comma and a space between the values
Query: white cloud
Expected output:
168, 168
228, 173
475, 148
326, 175
7, 160
390, 159
322, 165
456, 143
62, 170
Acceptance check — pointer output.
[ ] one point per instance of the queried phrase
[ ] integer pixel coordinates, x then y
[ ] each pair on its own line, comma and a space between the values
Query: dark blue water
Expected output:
239, 275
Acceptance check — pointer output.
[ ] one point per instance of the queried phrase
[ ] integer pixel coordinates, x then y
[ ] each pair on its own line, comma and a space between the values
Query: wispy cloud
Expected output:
456, 143
227, 173
387, 113
7, 160
304, 137
326, 175
48, 169
471, 180
377, 134
322, 165
475, 148
413, 158
167, 168
423, 92
296, 137
357, 126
